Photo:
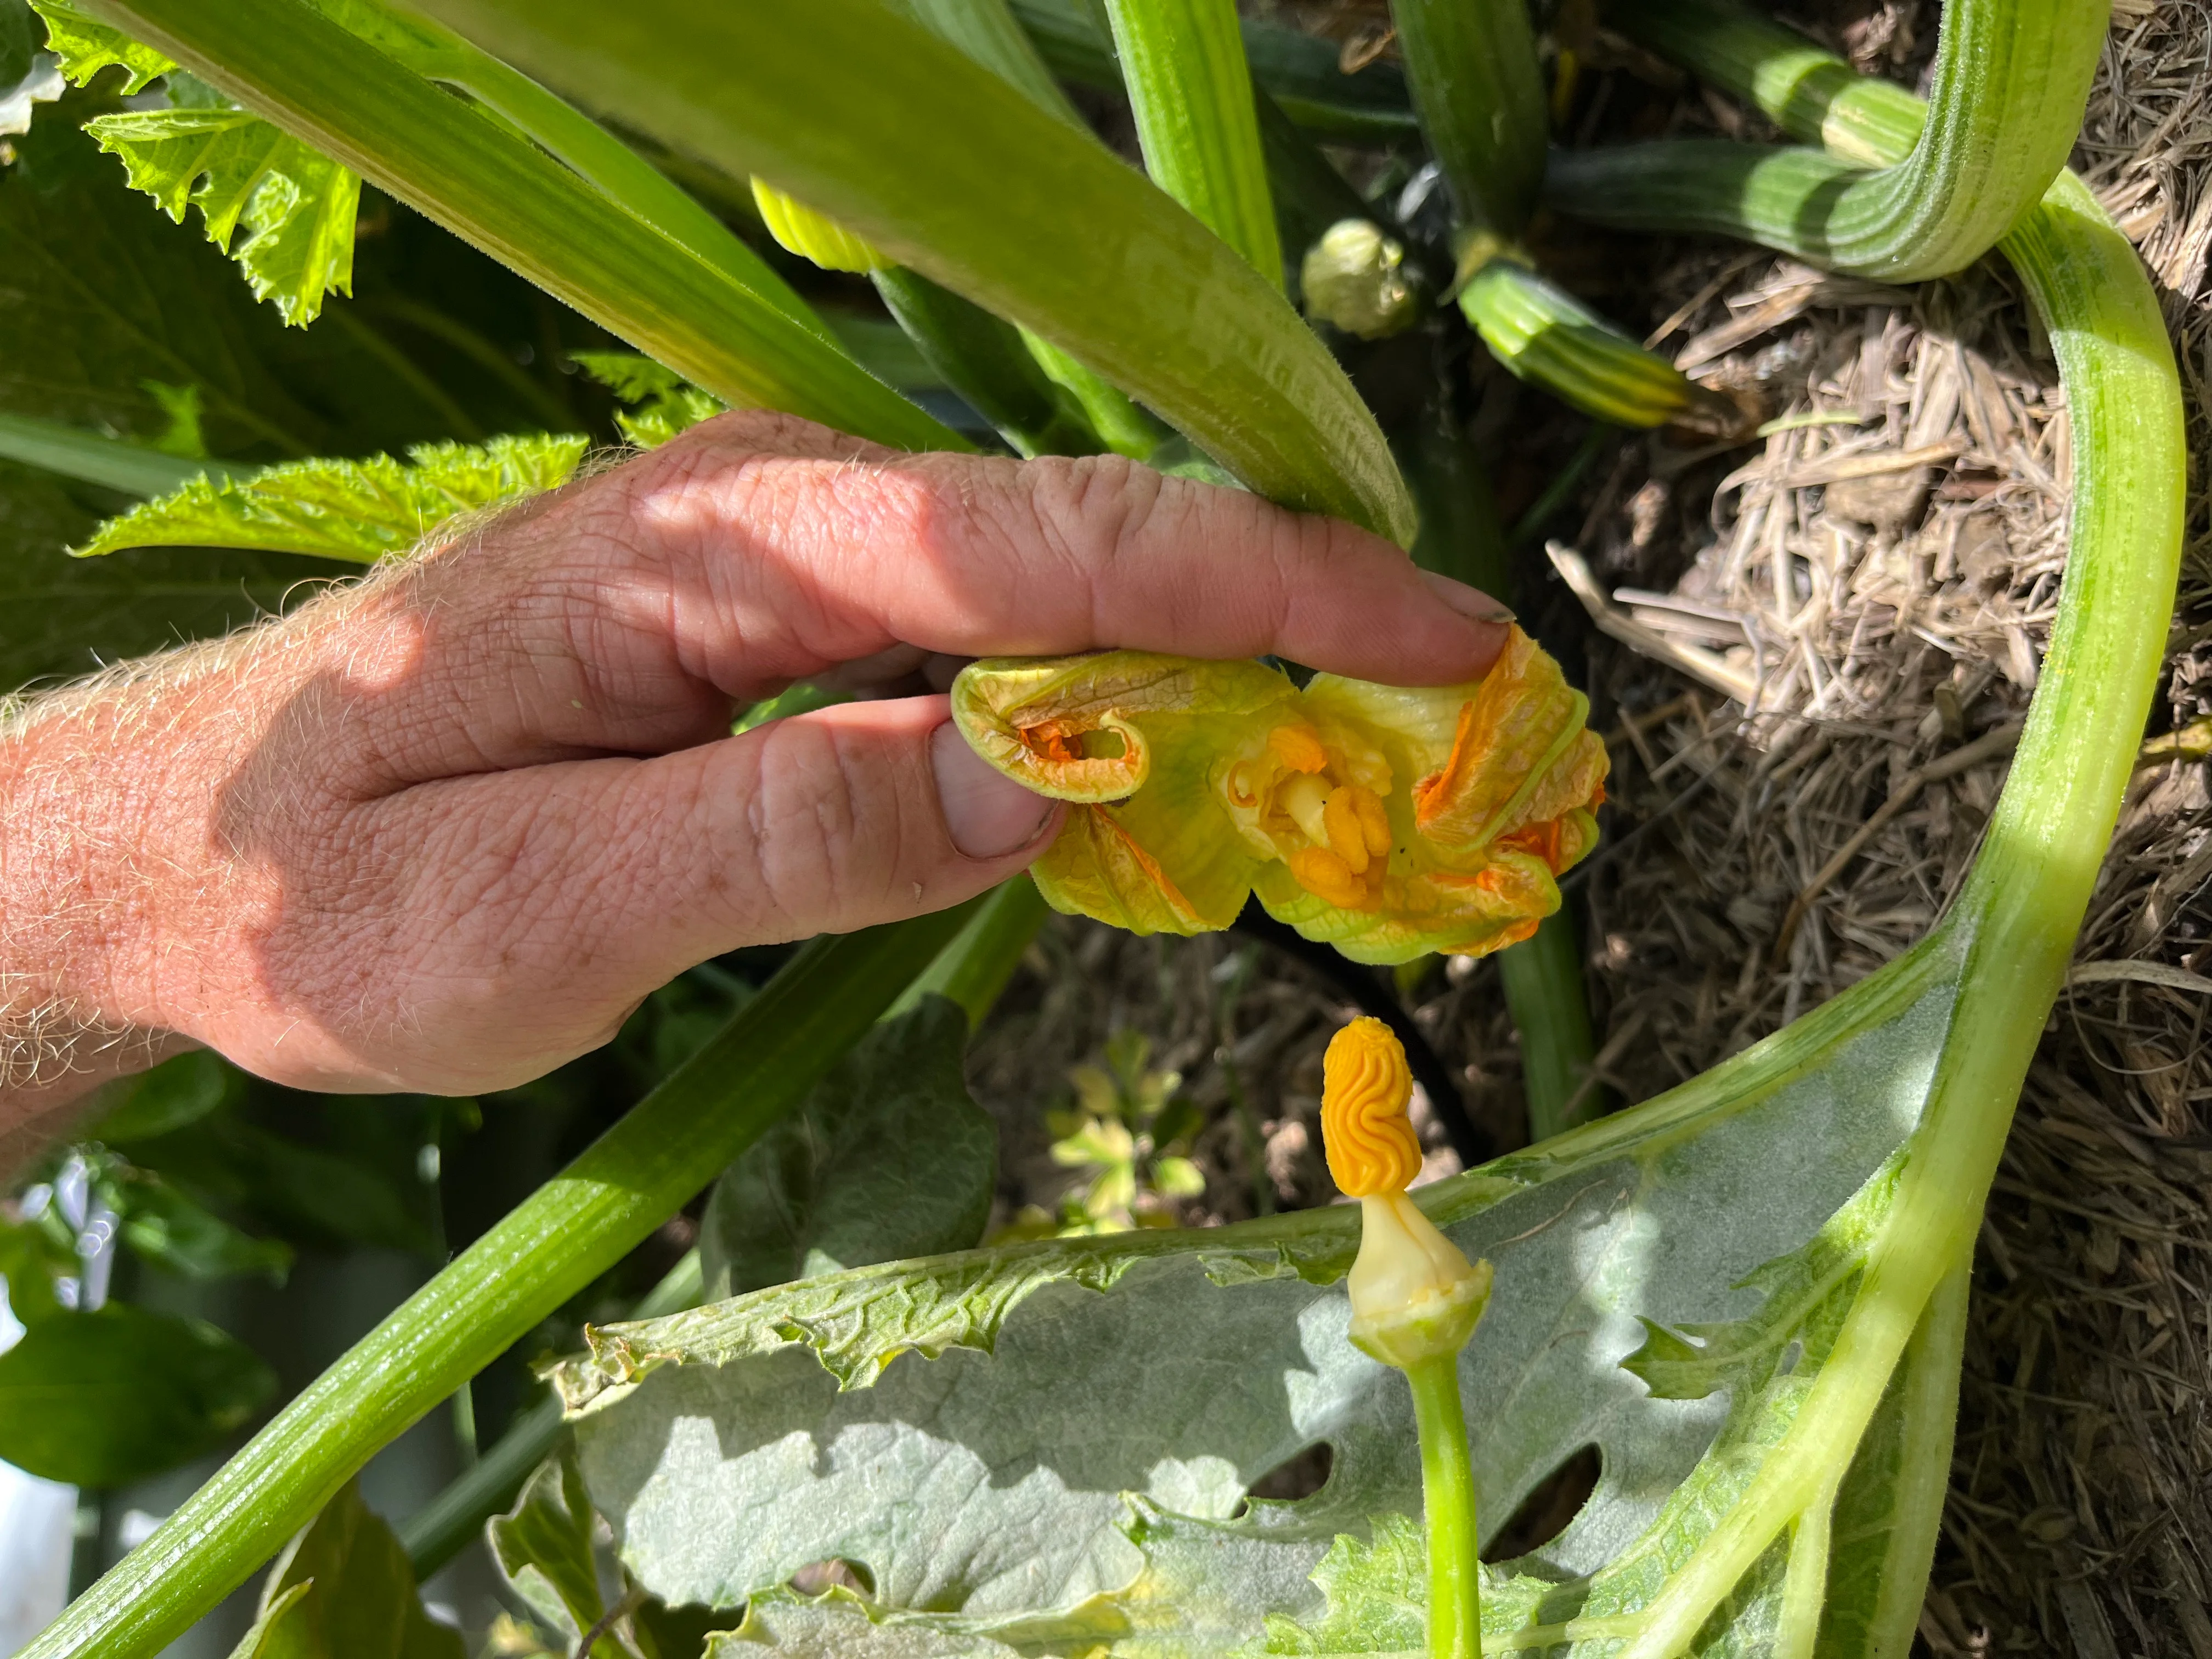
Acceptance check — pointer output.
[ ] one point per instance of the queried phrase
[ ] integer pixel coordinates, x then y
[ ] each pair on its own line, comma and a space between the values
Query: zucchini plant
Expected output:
1747, 1294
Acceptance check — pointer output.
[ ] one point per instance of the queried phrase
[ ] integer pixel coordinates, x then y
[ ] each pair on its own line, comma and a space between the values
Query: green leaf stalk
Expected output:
2009, 936
1480, 93
2011, 80
1183, 64
572, 1229
501, 192
949, 169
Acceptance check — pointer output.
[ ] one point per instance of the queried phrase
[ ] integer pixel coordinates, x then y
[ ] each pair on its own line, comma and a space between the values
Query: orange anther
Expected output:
1347, 837
1374, 821
1323, 874
1299, 747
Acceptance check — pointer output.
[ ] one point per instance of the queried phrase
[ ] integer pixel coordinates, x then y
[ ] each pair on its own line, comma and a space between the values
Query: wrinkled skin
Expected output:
442, 829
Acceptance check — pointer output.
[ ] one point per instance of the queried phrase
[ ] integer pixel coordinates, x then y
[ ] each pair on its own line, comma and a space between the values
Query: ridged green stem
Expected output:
1808, 92
551, 1245
1545, 336
449, 1523
1085, 414
1550, 1005
1448, 1508
413, 139
1476, 83
988, 362
1183, 62
874, 121
972, 969
2011, 81
1301, 73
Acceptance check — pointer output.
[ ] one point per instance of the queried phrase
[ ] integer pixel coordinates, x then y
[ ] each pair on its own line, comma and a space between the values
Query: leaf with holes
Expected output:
976, 1481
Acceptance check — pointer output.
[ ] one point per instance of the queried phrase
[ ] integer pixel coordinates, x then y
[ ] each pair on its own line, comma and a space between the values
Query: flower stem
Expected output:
1447, 1496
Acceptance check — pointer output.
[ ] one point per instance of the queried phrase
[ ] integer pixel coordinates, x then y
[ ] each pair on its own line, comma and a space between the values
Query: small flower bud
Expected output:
1414, 1294
1352, 279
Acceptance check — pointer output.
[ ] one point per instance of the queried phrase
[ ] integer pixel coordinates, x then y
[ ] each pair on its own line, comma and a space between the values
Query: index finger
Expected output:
807, 549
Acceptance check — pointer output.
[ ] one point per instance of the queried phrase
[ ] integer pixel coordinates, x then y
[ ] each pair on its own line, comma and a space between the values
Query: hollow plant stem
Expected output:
572, 1229
1447, 1503
1480, 91
2012, 931
2011, 81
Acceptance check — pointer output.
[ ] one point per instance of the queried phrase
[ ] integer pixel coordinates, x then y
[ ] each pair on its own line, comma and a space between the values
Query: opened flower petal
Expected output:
1388, 821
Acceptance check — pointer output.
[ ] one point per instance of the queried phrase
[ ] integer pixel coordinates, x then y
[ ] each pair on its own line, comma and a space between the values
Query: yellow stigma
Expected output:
1366, 1085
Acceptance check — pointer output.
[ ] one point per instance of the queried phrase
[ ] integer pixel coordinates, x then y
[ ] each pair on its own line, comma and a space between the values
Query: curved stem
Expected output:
1447, 1503
2015, 923
547, 1248
2011, 81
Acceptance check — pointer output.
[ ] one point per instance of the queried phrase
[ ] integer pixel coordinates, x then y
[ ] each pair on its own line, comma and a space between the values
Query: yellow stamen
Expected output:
1298, 748
1347, 833
1365, 1086
1323, 874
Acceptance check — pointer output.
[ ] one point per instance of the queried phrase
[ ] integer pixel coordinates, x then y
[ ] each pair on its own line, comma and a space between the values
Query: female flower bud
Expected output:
1414, 1294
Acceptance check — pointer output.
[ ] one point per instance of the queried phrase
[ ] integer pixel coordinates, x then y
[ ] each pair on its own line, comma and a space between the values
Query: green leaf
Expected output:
1377, 1593
1234, 1337
662, 402
103, 1399
175, 1093
86, 47
167, 1227
544, 1545
31, 1259
357, 511
343, 1590
297, 204
889, 1157
1183, 62
901, 138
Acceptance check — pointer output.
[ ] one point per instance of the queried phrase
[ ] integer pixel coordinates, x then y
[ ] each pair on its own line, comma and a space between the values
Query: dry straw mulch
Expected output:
1821, 647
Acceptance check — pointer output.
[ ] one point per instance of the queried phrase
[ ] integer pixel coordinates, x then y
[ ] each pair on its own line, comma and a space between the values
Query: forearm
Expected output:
94, 846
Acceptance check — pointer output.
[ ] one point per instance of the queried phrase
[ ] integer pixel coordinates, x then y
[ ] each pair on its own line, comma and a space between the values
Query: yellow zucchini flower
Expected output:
1388, 821
1414, 1294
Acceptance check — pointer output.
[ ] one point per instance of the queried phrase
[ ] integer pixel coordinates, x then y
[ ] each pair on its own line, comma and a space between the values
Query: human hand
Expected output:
443, 828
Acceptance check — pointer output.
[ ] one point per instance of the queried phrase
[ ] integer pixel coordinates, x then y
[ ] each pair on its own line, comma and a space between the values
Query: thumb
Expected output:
559, 896
842, 819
